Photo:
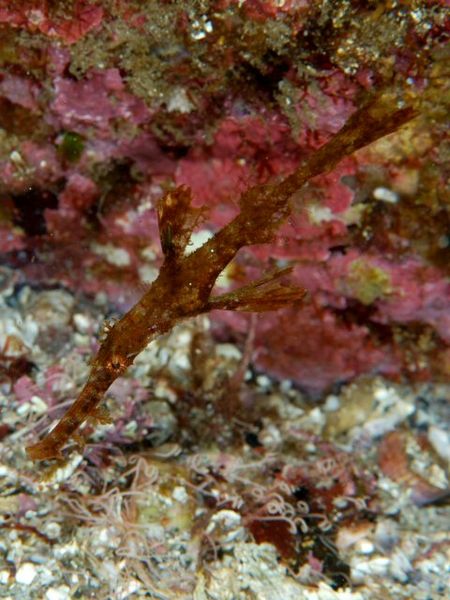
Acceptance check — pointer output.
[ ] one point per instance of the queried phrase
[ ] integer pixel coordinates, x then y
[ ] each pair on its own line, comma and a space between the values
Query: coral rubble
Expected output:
300, 453
106, 104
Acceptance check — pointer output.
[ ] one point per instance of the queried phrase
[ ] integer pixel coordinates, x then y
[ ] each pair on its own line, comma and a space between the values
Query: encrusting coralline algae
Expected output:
216, 476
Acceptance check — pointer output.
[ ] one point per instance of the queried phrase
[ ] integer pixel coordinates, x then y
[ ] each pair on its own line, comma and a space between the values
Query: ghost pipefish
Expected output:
184, 284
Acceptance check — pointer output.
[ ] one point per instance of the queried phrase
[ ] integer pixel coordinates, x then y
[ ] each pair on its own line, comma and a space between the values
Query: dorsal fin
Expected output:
177, 220
267, 293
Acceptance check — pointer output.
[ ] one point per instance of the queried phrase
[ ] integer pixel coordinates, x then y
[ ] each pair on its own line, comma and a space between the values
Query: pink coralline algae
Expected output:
317, 348
96, 102
19, 90
34, 15
102, 110
25, 388
247, 149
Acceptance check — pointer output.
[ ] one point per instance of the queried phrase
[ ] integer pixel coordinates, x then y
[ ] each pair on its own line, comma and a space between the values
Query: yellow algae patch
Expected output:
367, 282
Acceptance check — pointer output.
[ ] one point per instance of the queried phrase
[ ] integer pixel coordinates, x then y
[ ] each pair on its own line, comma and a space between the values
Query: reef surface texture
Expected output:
298, 453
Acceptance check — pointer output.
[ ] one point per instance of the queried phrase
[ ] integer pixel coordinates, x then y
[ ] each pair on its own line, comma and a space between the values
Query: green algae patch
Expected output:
71, 146
367, 282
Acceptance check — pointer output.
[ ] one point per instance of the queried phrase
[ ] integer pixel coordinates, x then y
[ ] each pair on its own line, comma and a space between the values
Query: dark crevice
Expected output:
29, 210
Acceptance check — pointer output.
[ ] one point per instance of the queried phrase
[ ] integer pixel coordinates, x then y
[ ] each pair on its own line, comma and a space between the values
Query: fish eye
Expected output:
116, 363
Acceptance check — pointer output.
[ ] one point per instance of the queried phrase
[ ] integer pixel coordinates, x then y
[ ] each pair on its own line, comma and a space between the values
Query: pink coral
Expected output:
19, 90
315, 348
79, 193
96, 102
254, 113
35, 15
10, 239
246, 149
421, 294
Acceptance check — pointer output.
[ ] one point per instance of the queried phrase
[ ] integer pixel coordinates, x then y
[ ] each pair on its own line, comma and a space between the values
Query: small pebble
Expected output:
26, 573
440, 440
365, 547
82, 322
385, 195
58, 593
179, 493
375, 567
332, 403
4, 577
